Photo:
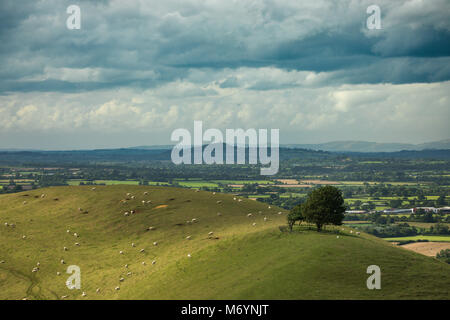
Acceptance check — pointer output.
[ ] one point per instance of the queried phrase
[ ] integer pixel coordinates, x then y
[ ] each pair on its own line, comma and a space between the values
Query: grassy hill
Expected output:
239, 261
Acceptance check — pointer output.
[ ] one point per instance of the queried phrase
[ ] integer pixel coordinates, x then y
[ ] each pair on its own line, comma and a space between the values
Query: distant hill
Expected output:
243, 258
365, 146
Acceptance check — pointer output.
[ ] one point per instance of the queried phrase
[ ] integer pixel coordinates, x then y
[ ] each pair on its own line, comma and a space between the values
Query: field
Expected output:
239, 260
427, 248
420, 237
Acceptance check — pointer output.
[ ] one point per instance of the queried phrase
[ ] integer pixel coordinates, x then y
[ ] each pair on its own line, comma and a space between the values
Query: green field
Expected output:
429, 238
240, 260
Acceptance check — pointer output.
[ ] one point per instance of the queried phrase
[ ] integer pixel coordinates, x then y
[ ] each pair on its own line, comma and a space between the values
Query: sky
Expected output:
137, 70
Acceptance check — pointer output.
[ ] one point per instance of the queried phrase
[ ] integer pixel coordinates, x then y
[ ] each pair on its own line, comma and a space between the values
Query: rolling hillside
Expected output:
244, 257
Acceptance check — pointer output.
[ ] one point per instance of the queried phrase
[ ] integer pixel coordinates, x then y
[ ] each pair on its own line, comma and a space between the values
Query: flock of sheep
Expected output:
129, 197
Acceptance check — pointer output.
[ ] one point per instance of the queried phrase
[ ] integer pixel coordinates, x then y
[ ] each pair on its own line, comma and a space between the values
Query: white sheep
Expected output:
65, 249
117, 288
143, 263
126, 266
133, 244
83, 294
62, 261
249, 215
24, 237
265, 218
219, 201
120, 252
194, 220
58, 273
145, 193
155, 243
68, 231
189, 255
142, 250
77, 244
358, 233
239, 200
126, 214
280, 212
254, 224
121, 279
151, 228
154, 262
75, 235
210, 233
219, 214
98, 290
188, 238
6, 224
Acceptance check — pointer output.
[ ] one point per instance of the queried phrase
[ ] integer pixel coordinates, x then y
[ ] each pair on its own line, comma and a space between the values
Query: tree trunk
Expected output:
319, 227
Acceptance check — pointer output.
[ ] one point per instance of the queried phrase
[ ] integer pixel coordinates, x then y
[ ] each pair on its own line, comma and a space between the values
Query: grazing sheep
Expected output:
219, 202
65, 249
194, 220
77, 244
197, 190
38, 264
83, 294
129, 273
145, 193
149, 201
210, 233
94, 188
120, 252
58, 273
62, 261
24, 202
43, 195
337, 237
265, 218
121, 279
214, 193
142, 250
254, 224
132, 197
35, 269
351, 231
132, 211
133, 245
128, 194
63, 297
24, 237
239, 200
219, 214
68, 231
98, 290
143, 201
249, 215
143, 263
12, 225
126, 266
234, 198
2, 261
280, 212
75, 235
358, 233
79, 209
155, 243
268, 207
126, 214
188, 238
6, 224
117, 288
189, 255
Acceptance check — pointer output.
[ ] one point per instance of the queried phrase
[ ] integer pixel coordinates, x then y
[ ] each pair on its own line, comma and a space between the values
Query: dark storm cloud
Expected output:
169, 39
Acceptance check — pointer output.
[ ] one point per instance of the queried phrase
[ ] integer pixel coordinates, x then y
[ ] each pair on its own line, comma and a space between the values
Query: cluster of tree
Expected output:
323, 206
392, 230
444, 255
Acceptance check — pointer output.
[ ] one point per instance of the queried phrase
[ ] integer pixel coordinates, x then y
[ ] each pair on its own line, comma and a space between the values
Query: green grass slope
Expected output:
239, 261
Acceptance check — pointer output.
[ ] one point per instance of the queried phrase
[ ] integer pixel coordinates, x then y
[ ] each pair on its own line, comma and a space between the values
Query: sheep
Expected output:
12, 225
121, 279
189, 255
65, 249
24, 202
132, 211
6, 224
154, 262
351, 231
210, 233
194, 220
133, 245
188, 238
68, 231
126, 266
219, 202
75, 235
155, 243
58, 273
79, 209
63, 297
145, 193
83, 294
35, 269
337, 237
268, 207
129, 273
128, 194
265, 218
280, 212
38, 264
254, 224
94, 188
239, 200
126, 214
234, 198
358, 233
143, 263
219, 214
117, 288
142, 250
197, 190
98, 290
214, 193
2, 261
62, 261
120, 252
77, 244
43, 195
249, 215
143, 201
149, 201
151, 228
24, 237
132, 197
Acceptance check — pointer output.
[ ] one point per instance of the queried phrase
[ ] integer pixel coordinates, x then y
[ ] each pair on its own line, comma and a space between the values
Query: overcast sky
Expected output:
137, 70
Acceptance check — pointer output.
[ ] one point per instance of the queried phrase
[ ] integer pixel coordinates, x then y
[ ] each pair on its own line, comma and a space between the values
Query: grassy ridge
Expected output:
240, 260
